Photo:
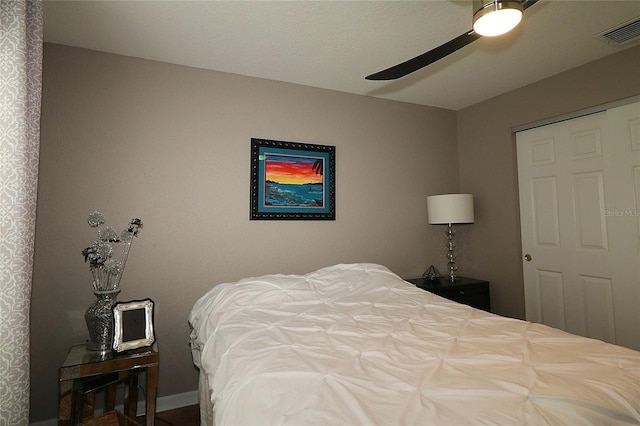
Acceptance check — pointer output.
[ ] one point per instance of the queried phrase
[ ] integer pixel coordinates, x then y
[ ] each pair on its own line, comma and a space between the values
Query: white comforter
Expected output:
355, 344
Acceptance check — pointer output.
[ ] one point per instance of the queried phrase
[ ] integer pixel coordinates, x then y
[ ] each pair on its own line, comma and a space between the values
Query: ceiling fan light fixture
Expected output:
494, 17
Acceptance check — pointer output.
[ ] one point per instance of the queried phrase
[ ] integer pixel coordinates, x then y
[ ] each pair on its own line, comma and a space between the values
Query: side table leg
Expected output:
65, 396
152, 390
110, 397
131, 396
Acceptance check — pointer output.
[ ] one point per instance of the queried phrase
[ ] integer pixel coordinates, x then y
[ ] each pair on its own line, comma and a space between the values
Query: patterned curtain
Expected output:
20, 94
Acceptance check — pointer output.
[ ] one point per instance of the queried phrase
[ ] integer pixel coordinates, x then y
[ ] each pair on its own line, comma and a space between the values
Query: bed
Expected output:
355, 344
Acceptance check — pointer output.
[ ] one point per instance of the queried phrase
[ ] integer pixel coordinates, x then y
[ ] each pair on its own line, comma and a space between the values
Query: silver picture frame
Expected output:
133, 325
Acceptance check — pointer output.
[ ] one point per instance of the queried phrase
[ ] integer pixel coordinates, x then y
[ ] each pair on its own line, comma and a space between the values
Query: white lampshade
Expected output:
450, 208
496, 17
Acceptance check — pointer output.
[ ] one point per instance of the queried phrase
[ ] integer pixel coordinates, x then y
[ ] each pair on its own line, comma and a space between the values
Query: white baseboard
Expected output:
172, 402
163, 403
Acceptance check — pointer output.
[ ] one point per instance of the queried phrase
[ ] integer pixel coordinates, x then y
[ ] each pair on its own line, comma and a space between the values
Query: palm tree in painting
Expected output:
317, 166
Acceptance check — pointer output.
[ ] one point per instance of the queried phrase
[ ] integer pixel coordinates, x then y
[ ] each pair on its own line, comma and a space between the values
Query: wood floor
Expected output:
184, 416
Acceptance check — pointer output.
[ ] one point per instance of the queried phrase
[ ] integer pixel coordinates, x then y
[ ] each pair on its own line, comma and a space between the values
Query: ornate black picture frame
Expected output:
133, 325
292, 181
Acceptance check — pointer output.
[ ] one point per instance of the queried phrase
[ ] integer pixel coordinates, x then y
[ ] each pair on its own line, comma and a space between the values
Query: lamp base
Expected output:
451, 256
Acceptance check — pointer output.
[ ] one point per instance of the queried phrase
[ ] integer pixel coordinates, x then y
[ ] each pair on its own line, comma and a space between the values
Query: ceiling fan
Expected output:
490, 18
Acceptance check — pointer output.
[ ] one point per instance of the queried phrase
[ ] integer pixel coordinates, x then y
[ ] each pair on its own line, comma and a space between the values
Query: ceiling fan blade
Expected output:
426, 58
434, 55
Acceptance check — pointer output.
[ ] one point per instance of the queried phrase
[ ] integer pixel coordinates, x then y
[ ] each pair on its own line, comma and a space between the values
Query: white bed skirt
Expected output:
207, 413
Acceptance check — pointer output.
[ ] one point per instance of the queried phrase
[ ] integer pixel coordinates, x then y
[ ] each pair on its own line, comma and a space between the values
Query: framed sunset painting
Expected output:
292, 181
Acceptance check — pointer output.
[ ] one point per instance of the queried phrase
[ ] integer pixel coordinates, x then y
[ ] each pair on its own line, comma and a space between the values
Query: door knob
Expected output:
527, 257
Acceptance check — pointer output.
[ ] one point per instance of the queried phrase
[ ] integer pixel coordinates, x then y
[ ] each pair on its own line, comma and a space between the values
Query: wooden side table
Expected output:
84, 372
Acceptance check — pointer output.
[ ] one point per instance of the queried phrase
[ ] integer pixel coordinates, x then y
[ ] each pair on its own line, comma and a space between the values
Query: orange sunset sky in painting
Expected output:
291, 169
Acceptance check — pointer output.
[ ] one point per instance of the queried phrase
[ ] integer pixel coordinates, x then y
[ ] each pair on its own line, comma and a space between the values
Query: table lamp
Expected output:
448, 209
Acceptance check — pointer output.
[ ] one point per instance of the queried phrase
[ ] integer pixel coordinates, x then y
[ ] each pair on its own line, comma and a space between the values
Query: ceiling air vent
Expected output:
622, 34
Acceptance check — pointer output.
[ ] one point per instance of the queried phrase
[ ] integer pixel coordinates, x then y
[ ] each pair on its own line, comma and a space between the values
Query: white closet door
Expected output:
579, 184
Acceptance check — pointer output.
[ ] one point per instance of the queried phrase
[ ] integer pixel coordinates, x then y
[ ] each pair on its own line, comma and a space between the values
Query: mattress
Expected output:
355, 344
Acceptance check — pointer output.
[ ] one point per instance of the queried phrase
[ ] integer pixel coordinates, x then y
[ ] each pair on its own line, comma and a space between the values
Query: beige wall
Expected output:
170, 144
488, 169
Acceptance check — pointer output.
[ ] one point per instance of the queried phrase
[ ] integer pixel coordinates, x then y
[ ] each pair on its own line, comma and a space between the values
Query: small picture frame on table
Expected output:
133, 325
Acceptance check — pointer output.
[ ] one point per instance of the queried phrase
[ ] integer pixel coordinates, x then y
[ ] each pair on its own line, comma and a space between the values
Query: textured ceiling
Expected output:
335, 44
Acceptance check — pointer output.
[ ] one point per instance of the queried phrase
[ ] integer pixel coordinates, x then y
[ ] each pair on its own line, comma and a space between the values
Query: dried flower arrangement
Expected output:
106, 271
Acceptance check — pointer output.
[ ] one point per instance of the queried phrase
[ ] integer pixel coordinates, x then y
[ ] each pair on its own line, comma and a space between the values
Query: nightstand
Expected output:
85, 373
468, 291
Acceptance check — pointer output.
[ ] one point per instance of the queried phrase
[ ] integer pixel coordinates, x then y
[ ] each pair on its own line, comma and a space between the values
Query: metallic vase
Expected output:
99, 318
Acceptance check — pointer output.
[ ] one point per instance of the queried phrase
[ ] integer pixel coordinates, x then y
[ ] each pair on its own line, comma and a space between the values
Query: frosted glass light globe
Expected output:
497, 22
